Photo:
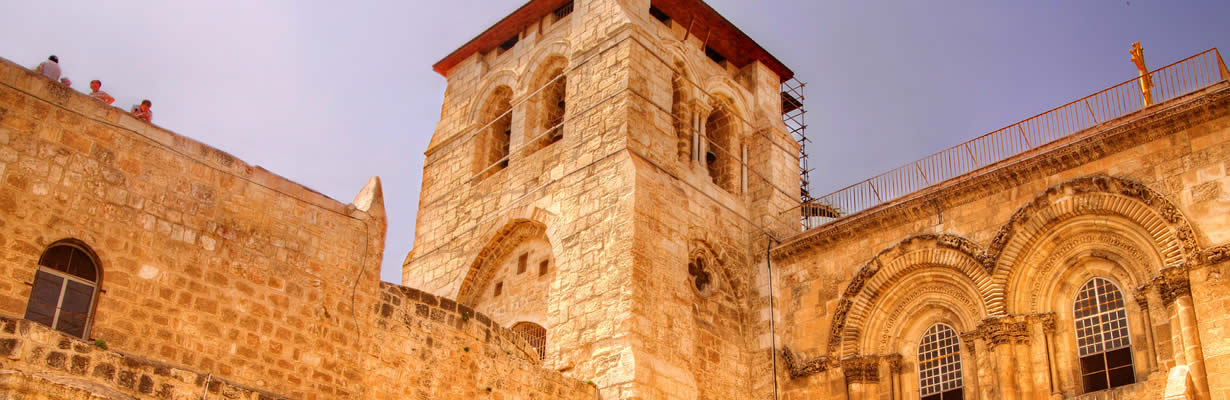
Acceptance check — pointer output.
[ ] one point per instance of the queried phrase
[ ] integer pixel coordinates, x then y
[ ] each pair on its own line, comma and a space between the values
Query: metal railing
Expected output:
1174, 80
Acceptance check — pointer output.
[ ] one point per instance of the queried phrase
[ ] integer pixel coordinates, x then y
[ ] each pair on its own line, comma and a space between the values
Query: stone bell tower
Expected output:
604, 179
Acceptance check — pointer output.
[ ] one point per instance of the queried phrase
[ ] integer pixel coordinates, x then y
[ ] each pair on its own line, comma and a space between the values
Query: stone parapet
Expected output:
40, 363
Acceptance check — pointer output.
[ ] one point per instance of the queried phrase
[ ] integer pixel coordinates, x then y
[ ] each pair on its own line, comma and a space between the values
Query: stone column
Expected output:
1048, 339
1022, 358
977, 365
1141, 294
894, 377
1176, 293
999, 338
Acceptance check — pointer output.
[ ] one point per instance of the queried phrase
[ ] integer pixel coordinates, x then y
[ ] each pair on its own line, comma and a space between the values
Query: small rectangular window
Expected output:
714, 55
542, 267
508, 44
563, 11
499, 288
659, 15
521, 261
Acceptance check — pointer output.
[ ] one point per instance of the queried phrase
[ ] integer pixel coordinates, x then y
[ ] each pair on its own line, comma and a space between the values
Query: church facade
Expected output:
610, 208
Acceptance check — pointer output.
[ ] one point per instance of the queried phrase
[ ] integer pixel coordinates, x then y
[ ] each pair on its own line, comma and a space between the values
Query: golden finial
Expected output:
1146, 82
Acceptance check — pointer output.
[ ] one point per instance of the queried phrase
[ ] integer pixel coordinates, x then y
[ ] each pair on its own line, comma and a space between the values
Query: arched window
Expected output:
939, 364
720, 152
64, 285
1102, 336
535, 334
492, 143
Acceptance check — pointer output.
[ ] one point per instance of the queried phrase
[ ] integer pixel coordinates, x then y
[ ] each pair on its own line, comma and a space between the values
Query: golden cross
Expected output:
1146, 82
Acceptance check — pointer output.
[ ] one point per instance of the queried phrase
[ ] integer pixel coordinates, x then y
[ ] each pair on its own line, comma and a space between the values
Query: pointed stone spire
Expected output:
371, 198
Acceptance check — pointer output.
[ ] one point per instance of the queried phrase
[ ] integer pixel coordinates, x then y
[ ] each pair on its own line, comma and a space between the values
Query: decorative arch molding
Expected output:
1170, 232
943, 255
721, 88
924, 305
524, 223
1027, 293
539, 62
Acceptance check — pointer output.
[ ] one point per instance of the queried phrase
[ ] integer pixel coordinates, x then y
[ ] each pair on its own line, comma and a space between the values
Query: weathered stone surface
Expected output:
219, 276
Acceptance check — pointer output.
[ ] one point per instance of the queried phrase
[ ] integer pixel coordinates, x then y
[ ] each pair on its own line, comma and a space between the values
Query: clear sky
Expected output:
330, 93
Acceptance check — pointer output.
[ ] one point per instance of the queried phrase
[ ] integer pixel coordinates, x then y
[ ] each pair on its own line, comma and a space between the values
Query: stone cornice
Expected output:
1055, 157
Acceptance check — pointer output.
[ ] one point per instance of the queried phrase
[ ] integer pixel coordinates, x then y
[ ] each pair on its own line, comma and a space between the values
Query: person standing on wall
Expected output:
49, 68
98, 94
143, 112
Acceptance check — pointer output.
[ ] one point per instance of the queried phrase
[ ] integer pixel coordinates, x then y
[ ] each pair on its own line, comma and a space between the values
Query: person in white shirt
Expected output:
50, 68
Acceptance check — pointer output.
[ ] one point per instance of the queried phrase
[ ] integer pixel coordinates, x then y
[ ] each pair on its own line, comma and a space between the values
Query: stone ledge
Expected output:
39, 358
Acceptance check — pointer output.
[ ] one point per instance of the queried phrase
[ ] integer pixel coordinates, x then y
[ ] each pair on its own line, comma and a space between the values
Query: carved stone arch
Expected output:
494, 80
1169, 230
939, 255
903, 306
1026, 286
721, 88
546, 53
523, 224
869, 312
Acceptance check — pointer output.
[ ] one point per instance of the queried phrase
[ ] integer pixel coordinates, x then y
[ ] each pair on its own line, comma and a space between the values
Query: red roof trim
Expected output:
491, 38
722, 36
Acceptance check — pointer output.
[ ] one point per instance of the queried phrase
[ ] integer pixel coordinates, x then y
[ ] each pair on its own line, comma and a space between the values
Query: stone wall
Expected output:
449, 351
211, 268
206, 261
999, 253
40, 363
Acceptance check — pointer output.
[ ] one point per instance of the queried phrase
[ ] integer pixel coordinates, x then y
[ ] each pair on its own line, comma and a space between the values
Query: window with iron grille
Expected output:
1102, 336
563, 11
64, 286
939, 364
534, 334
556, 103
492, 145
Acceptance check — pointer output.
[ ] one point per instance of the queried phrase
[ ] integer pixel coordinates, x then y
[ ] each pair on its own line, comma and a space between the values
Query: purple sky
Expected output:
330, 93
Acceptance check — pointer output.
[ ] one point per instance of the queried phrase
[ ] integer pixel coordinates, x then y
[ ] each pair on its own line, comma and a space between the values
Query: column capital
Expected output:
1173, 284
861, 369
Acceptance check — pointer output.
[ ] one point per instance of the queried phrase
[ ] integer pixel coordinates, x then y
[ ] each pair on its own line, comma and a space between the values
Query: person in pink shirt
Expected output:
98, 94
143, 112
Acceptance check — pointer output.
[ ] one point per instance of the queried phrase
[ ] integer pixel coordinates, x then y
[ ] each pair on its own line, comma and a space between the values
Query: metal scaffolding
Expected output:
795, 117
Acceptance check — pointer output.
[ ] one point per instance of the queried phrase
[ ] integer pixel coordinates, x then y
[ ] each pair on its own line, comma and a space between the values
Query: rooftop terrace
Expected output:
1075, 119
